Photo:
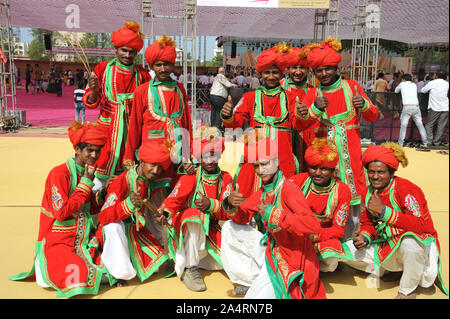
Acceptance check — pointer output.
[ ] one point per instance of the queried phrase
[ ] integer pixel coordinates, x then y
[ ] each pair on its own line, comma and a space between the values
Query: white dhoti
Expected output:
242, 255
261, 287
37, 270
418, 262
193, 252
116, 255
328, 264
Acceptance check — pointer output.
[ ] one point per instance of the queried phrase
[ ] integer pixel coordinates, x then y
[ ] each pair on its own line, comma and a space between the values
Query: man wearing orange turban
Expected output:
397, 232
281, 263
270, 109
65, 224
128, 227
112, 85
161, 110
328, 198
195, 208
297, 83
335, 106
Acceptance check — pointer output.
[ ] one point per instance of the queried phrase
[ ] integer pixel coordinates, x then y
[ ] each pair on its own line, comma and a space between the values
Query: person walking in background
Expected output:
79, 105
28, 71
411, 108
381, 86
218, 97
437, 108
38, 74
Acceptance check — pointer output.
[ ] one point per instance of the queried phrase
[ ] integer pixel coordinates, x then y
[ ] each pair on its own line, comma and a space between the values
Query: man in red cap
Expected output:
132, 238
63, 259
194, 208
328, 198
297, 83
160, 109
290, 268
397, 232
336, 104
112, 85
270, 110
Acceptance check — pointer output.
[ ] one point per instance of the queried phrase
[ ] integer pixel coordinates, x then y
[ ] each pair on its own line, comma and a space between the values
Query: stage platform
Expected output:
29, 155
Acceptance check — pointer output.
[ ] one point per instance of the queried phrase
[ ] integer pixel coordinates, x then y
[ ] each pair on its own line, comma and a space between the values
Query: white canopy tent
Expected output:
409, 21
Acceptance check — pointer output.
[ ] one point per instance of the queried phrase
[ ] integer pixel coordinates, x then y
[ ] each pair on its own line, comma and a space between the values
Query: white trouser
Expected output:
328, 264
193, 252
116, 255
407, 113
242, 255
418, 262
261, 287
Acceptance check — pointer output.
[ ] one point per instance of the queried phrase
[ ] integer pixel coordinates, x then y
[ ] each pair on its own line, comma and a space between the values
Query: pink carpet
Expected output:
49, 110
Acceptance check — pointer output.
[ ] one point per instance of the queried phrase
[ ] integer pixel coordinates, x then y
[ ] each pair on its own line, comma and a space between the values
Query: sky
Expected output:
25, 34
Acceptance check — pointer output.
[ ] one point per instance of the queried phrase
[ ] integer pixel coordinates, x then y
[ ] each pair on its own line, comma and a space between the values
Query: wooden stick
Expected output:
73, 47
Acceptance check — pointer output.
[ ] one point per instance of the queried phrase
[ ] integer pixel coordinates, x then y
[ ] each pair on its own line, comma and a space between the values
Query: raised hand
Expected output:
321, 101
202, 203
235, 198
357, 99
94, 86
227, 109
89, 174
375, 205
136, 199
301, 108
262, 208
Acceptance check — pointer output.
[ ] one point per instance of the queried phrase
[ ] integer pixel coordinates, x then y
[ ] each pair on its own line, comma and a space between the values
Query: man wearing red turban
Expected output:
297, 83
112, 85
397, 232
65, 225
328, 198
281, 263
133, 240
335, 106
270, 110
161, 110
195, 208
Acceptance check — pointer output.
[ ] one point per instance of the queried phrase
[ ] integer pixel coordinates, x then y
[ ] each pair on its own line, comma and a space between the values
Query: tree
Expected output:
216, 61
36, 49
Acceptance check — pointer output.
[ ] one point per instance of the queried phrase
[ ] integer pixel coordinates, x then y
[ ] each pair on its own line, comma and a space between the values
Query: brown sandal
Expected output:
238, 291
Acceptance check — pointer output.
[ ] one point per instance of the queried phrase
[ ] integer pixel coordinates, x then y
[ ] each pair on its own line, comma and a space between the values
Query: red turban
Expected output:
297, 57
155, 153
278, 56
321, 153
128, 36
326, 53
390, 154
163, 49
87, 133
217, 146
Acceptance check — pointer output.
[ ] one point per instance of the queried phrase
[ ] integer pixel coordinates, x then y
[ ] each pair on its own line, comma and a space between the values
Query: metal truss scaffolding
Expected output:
8, 103
365, 42
189, 48
326, 22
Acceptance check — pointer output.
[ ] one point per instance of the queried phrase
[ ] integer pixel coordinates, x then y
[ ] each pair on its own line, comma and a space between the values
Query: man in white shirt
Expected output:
218, 96
411, 108
437, 108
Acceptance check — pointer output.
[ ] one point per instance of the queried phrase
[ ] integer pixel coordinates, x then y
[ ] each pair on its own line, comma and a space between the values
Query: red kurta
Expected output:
150, 123
283, 127
146, 253
65, 230
180, 205
289, 244
332, 217
117, 83
340, 123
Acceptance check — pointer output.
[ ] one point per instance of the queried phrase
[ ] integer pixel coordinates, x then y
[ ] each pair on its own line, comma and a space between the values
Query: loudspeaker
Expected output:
48, 41
233, 50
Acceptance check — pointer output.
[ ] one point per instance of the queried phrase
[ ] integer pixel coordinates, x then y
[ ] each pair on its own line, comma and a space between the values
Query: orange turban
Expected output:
155, 153
129, 36
278, 56
298, 57
87, 133
163, 49
321, 153
325, 53
216, 145
389, 153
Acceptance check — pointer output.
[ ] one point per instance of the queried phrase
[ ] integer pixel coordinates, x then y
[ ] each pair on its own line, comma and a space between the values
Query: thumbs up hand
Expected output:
375, 205
202, 203
262, 208
321, 102
357, 99
235, 198
301, 108
227, 109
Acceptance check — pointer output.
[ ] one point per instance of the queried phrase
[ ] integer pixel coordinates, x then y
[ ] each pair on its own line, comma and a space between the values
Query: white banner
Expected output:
87, 51
306, 4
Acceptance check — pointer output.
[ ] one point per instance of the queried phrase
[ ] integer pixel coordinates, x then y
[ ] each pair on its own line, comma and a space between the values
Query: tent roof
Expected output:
409, 21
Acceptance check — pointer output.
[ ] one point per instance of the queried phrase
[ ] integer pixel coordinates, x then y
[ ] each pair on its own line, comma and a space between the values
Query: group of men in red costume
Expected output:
142, 192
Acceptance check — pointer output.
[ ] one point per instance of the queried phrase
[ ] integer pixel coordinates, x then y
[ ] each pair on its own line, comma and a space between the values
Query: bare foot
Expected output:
121, 283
